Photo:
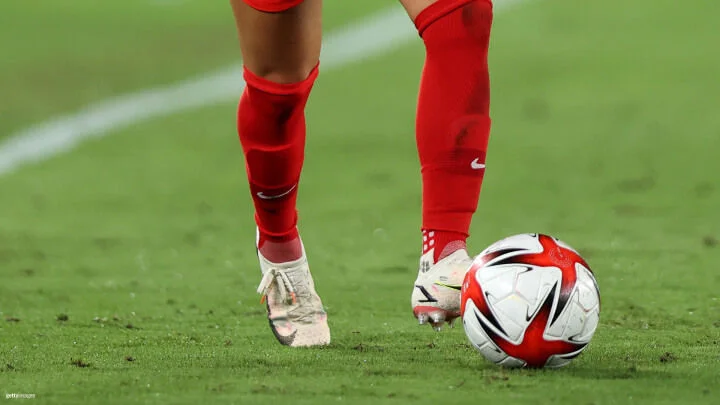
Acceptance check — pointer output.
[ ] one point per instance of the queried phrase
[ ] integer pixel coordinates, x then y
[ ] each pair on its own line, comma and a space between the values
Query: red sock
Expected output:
442, 243
453, 117
271, 125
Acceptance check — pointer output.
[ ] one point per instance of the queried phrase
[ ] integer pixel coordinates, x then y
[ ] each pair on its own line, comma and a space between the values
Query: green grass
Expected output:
606, 135
58, 56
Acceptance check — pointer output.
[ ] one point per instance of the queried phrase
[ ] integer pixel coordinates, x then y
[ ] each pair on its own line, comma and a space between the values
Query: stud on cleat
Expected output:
437, 317
437, 320
434, 316
422, 318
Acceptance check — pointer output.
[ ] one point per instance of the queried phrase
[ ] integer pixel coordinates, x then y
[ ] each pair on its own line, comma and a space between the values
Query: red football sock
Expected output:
453, 117
271, 125
444, 243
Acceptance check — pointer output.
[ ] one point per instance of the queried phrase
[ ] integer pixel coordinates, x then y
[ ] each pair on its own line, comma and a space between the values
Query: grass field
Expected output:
127, 267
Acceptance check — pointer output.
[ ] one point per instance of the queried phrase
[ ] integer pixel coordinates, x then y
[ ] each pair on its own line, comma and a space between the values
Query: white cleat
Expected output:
295, 311
436, 295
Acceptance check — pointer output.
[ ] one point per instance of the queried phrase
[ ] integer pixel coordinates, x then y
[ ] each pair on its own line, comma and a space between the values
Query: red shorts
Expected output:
272, 6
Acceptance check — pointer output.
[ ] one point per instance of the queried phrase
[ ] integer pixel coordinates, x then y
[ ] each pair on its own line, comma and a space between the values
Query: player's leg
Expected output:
452, 131
280, 52
280, 44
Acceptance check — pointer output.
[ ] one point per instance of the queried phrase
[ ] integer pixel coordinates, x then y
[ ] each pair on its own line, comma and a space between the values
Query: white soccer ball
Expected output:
530, 300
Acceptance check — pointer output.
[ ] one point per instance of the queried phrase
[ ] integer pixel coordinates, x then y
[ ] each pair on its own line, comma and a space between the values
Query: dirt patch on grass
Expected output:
667, 358
79, 363
710, 241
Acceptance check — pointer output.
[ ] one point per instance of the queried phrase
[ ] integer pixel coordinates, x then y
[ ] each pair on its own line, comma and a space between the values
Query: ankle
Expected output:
280, 248
443, 243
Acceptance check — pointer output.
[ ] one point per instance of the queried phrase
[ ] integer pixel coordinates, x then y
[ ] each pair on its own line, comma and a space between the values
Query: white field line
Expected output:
370, 37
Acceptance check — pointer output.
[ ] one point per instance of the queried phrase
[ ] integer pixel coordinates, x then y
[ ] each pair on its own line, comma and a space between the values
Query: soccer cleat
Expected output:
436, 296
295, 311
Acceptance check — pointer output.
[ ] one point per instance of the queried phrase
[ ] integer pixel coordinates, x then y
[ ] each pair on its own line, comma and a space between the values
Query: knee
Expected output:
284, 75
293, 87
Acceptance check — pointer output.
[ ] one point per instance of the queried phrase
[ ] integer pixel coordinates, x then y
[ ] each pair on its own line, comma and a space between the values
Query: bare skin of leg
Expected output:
281, 47
415, 7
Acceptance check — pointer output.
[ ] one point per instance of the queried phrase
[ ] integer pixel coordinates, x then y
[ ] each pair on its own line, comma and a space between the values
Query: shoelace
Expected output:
285, 287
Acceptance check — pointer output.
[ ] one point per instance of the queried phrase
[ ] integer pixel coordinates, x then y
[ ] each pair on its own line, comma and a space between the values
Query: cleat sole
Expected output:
436, 317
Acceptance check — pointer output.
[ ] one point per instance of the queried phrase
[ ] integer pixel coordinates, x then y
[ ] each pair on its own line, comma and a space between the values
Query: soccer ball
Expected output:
530, 300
